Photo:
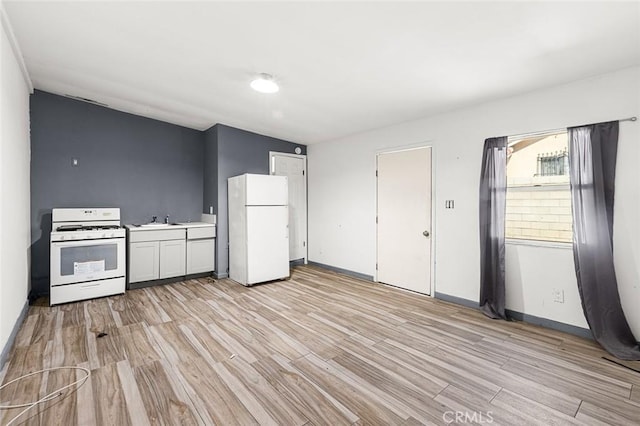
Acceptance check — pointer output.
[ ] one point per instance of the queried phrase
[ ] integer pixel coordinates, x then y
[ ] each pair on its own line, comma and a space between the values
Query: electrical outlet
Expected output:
557, 295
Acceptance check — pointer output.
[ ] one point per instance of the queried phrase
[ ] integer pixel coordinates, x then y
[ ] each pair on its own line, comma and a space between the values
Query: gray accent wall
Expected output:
210, 191
238, 151
146, 167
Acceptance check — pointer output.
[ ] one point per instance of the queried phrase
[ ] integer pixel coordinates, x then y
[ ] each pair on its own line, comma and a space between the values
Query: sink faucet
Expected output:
154, 219
166, 219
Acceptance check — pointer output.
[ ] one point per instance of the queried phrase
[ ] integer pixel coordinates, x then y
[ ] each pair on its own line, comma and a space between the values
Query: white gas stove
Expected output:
87, 254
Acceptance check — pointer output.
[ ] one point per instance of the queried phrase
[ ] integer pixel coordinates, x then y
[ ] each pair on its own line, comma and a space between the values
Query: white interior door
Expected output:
294, 167
404, 219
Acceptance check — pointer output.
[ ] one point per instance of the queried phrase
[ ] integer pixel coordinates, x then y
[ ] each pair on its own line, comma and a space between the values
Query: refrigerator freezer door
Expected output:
266, 190
267, 243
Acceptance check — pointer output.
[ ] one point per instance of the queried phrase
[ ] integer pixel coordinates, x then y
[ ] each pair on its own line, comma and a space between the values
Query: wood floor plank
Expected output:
313, 340
92, 344
141, 302
391, 365
226, 402
234, 346
414, 400
99, 315
109, 348
62, 410
135, 405
209, 347
532, 411
360, 401
479, 410
162, 405
137, 347
73, 314
25, 333
23, 360
312, 402
277, 407
173, 343
452, 374
201, 288
608, 382
205, 311
74, 344
128, 310
44, 327
110, 401
549, 396
186, 392
320, 348
154, 301
608, 415
85, 403
624, 406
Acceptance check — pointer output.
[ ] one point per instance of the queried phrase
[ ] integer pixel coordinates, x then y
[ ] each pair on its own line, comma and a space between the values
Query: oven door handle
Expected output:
95, 242
83, 286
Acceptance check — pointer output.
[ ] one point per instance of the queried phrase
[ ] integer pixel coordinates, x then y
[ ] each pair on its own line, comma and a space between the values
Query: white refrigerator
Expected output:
258, 228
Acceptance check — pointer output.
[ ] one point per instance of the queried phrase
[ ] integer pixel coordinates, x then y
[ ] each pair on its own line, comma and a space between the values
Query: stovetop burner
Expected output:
99, 227
65, 228
69, 228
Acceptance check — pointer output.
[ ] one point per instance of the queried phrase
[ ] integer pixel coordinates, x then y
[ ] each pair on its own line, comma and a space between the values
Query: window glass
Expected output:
538, 194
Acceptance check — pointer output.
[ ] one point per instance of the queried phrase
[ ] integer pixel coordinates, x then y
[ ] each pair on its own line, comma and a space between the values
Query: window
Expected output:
538, 194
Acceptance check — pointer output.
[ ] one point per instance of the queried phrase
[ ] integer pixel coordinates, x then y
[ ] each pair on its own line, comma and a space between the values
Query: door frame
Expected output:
428, 144
272, 154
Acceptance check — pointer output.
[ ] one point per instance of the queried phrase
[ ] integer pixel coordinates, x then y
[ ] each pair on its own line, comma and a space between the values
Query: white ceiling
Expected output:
343, 67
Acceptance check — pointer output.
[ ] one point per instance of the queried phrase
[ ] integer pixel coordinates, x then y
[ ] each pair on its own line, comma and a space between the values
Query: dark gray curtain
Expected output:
493, 190
592, 168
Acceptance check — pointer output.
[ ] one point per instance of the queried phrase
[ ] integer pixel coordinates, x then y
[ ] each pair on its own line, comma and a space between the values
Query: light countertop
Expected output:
182, 225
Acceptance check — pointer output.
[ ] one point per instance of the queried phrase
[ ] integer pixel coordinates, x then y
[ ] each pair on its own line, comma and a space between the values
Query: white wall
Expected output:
342, 191
533, 272
14, 182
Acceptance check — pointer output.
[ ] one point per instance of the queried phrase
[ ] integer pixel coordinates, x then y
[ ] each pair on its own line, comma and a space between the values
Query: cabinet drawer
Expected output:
89, 290
201, 232
156, 235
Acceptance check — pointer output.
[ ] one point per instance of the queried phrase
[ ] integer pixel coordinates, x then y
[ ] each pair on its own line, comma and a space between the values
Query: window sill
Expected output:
539, 243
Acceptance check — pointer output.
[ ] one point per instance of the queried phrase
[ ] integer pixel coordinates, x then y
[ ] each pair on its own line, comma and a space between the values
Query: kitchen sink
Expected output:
156, 225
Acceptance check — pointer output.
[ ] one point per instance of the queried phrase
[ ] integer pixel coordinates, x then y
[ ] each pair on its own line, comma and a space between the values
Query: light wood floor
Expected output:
320, 348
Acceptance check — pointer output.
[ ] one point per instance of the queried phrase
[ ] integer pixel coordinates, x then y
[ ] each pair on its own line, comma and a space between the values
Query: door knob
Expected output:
425, 233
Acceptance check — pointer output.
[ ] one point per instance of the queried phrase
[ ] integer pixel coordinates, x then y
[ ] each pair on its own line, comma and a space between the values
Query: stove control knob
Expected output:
104, 235
61, 237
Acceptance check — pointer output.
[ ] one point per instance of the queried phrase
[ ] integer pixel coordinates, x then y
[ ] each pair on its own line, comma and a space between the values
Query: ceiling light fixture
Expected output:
265, 84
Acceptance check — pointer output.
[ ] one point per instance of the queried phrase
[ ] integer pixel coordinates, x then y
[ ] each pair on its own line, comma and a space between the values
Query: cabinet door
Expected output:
172, 258
143, 261
201, 256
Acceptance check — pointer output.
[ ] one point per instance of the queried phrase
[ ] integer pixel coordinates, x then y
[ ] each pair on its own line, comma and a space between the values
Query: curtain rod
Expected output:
554, 131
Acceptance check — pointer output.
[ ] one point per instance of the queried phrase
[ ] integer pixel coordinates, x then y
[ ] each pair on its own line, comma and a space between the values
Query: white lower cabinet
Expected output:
201, 256
156, 254
170, 252
144, 261
172, 258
